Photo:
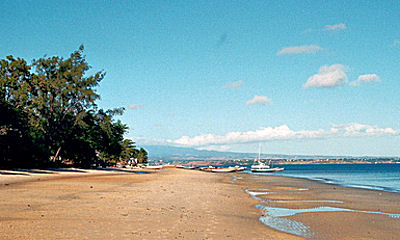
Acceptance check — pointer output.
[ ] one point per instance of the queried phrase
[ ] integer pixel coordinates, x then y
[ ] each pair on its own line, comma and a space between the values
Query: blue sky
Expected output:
301, 77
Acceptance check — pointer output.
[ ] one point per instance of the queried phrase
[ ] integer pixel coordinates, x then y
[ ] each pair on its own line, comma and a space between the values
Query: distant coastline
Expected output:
279, 162
181, 155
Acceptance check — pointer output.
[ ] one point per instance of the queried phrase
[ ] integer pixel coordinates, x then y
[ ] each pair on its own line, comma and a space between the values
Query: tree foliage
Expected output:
129, 150
16, 140
142, 156
48, 112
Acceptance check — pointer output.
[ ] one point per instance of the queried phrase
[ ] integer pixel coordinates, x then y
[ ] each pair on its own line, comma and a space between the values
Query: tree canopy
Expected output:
48, 114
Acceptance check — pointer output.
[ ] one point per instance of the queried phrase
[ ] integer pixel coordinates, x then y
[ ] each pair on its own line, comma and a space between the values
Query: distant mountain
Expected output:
161, 152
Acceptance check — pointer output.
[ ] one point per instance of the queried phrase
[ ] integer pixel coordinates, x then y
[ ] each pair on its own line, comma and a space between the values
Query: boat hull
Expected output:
223, 170
153, 167
267, 170
219, 169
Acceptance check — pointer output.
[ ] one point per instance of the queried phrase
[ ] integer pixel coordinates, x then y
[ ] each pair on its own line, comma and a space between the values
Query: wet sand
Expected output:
326, 211
184, 204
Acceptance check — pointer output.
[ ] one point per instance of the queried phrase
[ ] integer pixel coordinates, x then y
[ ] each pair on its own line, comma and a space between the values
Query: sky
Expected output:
299, 77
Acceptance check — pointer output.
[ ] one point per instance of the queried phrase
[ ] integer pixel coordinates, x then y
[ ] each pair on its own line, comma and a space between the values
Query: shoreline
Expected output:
381, 177
335, 183
317, 210
178, 203
16, 176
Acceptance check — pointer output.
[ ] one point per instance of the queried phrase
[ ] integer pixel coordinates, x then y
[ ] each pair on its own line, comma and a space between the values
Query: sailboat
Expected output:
259, 166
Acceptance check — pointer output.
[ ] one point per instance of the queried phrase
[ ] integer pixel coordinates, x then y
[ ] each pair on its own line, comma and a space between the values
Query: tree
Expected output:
142, 156
15, 82
97, 135
52, 104
61, 96
17, 147
128, 150
20, 145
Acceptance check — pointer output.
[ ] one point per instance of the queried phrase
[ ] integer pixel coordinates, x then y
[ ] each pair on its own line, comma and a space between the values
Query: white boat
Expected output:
262, 167
223, 169
239, 169
189, 167
218, 169
259, 166
153, 167
168, 165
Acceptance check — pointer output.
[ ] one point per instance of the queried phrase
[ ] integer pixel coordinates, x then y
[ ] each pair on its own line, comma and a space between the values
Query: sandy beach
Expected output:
184, 204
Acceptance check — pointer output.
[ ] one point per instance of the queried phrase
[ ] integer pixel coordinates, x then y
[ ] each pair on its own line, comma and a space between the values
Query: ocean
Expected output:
383, 177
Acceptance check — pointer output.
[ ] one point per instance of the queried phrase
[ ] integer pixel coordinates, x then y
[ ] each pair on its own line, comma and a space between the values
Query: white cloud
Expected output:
233, 84
367, 78
299, 49
335, 27
328, 76
263, 100
135, 106
284, 133
362, 130
221, 148
264, 133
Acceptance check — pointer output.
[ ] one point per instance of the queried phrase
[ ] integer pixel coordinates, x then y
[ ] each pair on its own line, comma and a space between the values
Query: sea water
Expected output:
384, 177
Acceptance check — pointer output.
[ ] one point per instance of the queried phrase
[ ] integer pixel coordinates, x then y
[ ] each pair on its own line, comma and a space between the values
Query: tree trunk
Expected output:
55, 156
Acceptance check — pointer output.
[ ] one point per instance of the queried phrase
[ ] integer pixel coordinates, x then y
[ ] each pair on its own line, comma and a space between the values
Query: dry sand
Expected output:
172, 204
180, 204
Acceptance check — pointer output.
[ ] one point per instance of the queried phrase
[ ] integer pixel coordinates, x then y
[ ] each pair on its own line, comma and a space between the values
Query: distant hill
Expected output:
160, 152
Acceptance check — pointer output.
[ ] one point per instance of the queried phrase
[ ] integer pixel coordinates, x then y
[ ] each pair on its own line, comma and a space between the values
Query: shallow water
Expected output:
285, 212
275, 217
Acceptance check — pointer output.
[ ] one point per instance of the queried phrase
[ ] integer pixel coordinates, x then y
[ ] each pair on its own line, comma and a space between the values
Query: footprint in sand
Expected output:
212, 222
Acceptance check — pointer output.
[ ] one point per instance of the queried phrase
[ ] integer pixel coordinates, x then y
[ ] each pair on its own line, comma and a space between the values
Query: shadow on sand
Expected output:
67, 170
26, 172
39, 171
13, 173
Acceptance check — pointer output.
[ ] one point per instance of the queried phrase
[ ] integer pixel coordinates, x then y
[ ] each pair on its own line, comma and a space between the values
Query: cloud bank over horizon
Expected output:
283, 132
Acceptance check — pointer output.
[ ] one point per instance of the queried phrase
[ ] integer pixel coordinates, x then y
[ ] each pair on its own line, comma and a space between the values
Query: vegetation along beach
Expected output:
206, 119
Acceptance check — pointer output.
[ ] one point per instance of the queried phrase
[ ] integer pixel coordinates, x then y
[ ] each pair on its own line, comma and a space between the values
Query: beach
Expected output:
187, 204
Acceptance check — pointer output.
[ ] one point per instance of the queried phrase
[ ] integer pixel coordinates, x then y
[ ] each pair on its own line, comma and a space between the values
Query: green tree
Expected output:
17, 147
97, 135
20, 145
15, 82
62, 95
128, 150
142, 156
53, 104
